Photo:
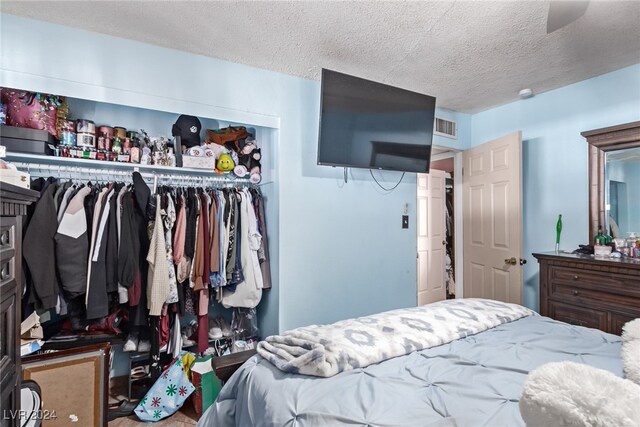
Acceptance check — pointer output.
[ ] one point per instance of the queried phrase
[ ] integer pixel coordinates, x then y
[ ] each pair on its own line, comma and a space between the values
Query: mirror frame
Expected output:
600, 142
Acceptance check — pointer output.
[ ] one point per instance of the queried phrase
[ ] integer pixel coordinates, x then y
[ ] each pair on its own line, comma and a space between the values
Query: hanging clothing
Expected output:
72, 246
38, 250
65, 202
97, 298
263, 252
129, 248
219, 276
232, 228
111, 234
158, 276
214, 245
198, 260
205, 203
138, 307
108, 251
180, 230
248, 292
168, 220
203, 320
123, 294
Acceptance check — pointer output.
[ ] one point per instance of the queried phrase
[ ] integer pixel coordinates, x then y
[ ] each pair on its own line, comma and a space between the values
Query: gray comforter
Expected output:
473, 381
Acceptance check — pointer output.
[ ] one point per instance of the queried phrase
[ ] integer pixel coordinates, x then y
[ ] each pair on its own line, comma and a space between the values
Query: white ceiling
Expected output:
470, 55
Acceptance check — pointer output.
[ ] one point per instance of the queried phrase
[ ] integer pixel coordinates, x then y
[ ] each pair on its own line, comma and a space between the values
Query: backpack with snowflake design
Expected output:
169, 392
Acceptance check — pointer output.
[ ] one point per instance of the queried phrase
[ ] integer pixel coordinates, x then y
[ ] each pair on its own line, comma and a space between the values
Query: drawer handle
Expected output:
575, 277
5, 273
4, 238
575, 292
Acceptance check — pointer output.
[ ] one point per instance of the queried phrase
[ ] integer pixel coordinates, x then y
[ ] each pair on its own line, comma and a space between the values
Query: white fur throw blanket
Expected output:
567, 394
326, 350
631, 351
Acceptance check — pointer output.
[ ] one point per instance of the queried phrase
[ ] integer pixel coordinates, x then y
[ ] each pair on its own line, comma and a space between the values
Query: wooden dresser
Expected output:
13, 205
600, 293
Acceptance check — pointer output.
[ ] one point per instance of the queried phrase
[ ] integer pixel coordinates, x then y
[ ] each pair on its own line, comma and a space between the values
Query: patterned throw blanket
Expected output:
326, 350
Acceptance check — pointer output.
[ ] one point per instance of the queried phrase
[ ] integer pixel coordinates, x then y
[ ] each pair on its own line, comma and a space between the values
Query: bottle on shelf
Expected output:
558, 232
134, 151
599, 239
117, 147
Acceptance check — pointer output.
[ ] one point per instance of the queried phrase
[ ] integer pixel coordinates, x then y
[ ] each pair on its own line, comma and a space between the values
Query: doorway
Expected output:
447, 165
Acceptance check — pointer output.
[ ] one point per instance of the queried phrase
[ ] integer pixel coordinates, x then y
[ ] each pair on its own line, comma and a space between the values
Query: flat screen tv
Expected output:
365, 124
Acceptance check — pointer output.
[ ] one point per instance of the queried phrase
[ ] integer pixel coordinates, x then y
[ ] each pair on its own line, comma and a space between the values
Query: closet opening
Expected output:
68, 174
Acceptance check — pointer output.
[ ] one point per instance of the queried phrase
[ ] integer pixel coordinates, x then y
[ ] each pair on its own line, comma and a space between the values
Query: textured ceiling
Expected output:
470, 55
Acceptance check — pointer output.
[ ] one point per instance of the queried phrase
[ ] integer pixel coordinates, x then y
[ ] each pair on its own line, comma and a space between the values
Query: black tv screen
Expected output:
365, 124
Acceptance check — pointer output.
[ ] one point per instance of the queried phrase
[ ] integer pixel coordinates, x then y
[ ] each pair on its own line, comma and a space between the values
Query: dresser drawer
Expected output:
576, 315
8, 246
575, 294
7, 271
7, 239
9, 350
561, 277
617, 320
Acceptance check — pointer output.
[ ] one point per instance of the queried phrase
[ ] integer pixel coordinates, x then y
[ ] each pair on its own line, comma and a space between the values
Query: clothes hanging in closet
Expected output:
449, 264
102, 247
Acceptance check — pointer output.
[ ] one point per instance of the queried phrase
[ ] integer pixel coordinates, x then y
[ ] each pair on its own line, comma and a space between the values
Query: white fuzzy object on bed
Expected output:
631, 350
567, 394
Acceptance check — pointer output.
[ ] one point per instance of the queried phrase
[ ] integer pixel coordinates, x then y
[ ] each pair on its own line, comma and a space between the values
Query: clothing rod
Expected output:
80, 172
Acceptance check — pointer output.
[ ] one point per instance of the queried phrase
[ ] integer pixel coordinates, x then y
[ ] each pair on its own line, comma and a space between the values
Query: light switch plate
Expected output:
405, 221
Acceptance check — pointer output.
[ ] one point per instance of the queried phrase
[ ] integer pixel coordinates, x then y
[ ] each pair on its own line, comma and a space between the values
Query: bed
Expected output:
474, 380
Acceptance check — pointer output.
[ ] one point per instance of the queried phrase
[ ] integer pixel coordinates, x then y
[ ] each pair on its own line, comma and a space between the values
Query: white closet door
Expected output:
431, 237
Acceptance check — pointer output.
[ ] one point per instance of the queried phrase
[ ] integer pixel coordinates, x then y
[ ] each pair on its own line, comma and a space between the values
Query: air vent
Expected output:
446, 128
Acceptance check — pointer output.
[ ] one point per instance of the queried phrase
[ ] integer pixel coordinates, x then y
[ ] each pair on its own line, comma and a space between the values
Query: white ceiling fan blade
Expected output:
562, 13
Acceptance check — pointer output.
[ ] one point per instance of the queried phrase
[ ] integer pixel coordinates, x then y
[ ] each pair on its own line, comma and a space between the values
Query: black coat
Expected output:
129, 252
39, 250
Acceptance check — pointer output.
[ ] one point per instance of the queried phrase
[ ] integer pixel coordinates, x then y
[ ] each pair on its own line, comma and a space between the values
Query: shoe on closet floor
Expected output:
224, 326
186, 342
187, 332
131, 344
214, 331
144, 346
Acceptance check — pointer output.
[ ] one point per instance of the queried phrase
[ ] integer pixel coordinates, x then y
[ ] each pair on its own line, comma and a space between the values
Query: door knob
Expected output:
444, 242
511, 261
523, 261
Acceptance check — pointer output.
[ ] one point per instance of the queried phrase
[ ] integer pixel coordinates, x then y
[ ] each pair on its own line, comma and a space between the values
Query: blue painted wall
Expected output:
554, 155
340, 250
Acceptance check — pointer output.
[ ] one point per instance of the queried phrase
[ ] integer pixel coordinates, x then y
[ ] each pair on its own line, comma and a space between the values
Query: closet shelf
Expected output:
36, 162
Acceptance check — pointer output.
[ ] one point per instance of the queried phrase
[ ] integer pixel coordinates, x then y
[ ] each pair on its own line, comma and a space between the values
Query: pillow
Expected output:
567, 394
631, 350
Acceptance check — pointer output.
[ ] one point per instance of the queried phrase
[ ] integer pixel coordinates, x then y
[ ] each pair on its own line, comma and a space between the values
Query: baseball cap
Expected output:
188, 129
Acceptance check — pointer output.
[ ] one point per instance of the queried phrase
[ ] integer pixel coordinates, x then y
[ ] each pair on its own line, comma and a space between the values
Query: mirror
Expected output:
622, 192
614, 179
